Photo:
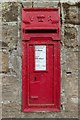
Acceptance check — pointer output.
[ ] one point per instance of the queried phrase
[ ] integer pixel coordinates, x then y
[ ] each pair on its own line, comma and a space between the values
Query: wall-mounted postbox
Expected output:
40, 60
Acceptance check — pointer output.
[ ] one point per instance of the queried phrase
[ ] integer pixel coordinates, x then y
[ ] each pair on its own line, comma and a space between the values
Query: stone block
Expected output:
1, 113
27, 4
71, 13
48, 4
4, 64
2, 1
15, 63
11, 110
9, 36
71, 106
0, 98
70, 36
69, 59
10, 89
9, 11
0, 12
78, 36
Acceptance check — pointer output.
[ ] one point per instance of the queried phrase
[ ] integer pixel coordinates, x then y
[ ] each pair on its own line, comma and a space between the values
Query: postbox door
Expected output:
41, 82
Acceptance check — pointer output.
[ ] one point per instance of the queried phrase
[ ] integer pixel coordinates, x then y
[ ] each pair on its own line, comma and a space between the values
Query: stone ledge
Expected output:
46, 4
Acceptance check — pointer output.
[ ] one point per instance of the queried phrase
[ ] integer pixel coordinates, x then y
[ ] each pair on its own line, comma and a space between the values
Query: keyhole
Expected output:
34, 78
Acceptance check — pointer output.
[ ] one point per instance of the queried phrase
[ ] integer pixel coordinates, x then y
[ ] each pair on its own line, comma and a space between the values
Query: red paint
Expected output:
40, 89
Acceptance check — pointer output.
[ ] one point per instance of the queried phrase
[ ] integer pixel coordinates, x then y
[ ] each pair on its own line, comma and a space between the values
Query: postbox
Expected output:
40, 59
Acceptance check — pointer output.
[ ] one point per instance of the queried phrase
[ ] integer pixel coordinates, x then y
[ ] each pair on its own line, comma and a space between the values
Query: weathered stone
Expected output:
71, 13
48, 4
0, 12
69, 78
10, 36
15, 63
0, 25
0, 96
8, 1
3, 44
26, 4
69, 59
10, 89
78, 36
70, 106
11, 110
4, 61
9, 11
70, 36
1, 112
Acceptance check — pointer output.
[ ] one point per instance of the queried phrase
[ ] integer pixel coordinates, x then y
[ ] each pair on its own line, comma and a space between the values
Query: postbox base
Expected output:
41, 110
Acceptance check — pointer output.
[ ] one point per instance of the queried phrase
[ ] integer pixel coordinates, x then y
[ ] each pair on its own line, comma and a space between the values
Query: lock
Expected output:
34, 78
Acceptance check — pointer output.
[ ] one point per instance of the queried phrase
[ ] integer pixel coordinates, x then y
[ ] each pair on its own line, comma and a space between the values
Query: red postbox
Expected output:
40, 60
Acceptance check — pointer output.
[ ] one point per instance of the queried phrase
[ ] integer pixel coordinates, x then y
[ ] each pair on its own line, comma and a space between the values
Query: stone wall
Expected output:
10, 53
